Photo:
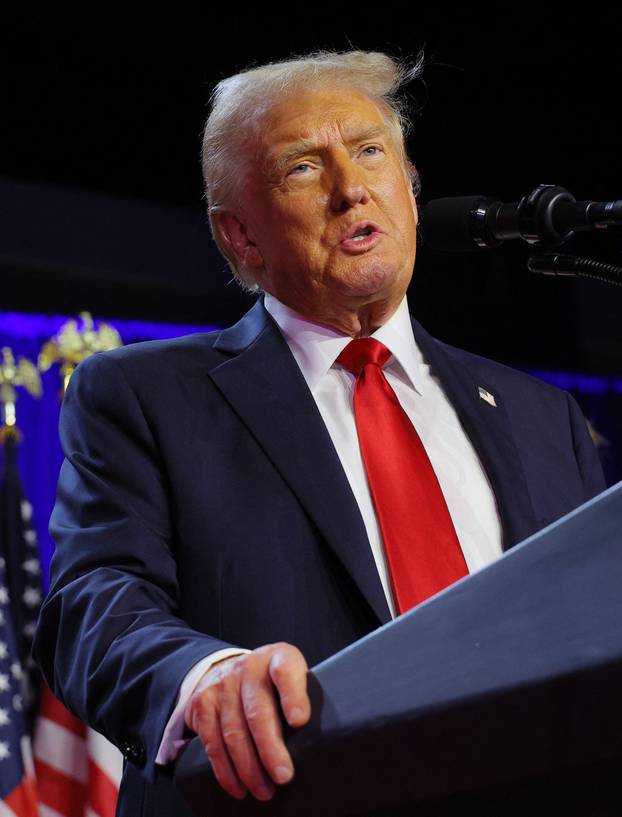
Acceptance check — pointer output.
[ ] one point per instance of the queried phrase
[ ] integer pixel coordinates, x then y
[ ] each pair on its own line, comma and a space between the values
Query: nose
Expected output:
347, 186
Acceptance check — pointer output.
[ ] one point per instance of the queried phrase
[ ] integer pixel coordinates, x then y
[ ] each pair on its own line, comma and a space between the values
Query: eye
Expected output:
371, 150
298, 170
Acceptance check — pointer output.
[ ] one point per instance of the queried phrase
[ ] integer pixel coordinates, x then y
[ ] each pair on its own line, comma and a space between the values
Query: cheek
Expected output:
295, 248
301, 237
297, 224
404, 209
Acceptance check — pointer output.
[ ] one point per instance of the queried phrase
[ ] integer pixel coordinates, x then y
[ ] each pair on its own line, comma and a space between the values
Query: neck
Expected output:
357, 321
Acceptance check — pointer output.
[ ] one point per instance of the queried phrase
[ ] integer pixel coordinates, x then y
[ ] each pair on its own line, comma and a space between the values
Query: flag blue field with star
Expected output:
20, 599
12, 726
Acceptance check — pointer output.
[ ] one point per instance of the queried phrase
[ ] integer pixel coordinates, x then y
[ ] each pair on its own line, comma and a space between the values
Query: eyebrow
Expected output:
302, 147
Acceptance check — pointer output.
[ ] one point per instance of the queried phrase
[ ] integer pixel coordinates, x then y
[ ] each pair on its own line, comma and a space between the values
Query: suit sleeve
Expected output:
109, 641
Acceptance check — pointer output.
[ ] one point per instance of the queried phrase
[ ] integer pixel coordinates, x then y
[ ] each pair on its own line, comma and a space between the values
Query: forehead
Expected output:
320, 114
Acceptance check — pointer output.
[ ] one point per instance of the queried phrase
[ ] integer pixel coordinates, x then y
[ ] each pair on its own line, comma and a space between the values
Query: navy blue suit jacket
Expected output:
202, 505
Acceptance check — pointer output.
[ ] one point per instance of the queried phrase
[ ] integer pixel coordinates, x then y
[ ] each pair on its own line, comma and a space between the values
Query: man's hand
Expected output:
234, 711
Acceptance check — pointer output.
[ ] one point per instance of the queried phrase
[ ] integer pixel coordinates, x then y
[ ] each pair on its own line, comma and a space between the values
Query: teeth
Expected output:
361, 234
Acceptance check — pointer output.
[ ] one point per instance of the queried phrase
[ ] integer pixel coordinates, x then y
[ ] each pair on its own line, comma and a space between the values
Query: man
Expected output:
221, 494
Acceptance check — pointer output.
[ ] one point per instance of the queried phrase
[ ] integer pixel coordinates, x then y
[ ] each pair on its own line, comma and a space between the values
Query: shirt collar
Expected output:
316, 347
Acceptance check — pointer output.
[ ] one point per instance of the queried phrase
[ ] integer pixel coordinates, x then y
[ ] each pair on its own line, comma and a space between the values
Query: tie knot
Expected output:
361, 352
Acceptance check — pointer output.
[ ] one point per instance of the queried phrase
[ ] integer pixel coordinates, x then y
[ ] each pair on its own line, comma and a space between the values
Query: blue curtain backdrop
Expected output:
40, 455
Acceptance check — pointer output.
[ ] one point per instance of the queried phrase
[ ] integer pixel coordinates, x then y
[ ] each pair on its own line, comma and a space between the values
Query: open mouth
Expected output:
361, 237
362, 233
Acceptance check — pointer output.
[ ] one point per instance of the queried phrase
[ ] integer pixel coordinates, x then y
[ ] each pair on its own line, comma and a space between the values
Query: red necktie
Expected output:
420, 542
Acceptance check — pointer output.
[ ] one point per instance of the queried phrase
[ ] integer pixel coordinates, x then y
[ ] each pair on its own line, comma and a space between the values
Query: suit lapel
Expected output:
264, 386
489, 430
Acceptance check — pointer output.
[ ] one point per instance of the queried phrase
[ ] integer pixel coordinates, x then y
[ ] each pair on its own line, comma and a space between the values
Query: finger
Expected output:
288, 672
263, 719
208, 729
241, 747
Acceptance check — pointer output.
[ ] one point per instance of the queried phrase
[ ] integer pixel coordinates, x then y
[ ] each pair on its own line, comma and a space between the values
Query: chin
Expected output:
375, 278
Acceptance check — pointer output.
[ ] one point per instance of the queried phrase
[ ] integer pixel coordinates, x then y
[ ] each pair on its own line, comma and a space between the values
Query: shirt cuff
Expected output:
172, 740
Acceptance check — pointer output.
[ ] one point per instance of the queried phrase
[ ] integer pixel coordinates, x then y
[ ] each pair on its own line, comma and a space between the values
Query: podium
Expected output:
501, 695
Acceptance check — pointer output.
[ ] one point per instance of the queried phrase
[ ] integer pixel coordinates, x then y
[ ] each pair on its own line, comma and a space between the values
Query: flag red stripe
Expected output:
23, 799
102, 792
53, 709
56, 790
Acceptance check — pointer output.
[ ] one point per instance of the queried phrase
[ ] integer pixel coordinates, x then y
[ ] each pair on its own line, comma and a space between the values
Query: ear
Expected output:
413, 201
414, 188
234, 234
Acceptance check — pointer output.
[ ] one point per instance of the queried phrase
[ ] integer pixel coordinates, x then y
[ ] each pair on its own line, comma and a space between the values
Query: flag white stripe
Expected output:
29, 766
46, 811
61, 749
105, 755
88, 812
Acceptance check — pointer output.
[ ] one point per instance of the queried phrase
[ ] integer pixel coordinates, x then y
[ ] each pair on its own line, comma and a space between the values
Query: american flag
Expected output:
20, 597
77, 770
17, 789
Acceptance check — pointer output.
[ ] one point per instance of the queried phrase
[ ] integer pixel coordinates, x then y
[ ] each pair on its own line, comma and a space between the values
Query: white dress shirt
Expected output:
462, 479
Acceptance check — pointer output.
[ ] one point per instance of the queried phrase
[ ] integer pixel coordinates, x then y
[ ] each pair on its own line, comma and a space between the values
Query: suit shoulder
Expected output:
158, 356
196, 344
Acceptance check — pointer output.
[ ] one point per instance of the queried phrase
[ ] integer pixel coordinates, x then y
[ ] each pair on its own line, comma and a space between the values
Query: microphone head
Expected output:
457, 224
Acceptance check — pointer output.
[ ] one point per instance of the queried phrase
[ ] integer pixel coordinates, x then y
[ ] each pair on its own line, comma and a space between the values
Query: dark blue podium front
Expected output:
501, 695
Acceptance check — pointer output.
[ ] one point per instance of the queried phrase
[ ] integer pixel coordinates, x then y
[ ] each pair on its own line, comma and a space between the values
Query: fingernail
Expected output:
296, 714
264, 793
283, 774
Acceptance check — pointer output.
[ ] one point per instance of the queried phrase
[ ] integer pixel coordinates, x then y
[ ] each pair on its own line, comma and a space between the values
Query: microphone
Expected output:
546, 217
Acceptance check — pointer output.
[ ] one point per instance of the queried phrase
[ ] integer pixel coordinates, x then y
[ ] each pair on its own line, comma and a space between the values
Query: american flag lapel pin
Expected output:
487, 396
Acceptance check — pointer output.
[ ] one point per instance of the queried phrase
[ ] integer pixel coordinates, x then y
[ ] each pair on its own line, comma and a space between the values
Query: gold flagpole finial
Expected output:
21, 374
73, 343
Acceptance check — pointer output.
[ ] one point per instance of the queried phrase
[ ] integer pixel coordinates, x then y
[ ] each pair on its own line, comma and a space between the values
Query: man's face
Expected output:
328, 218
